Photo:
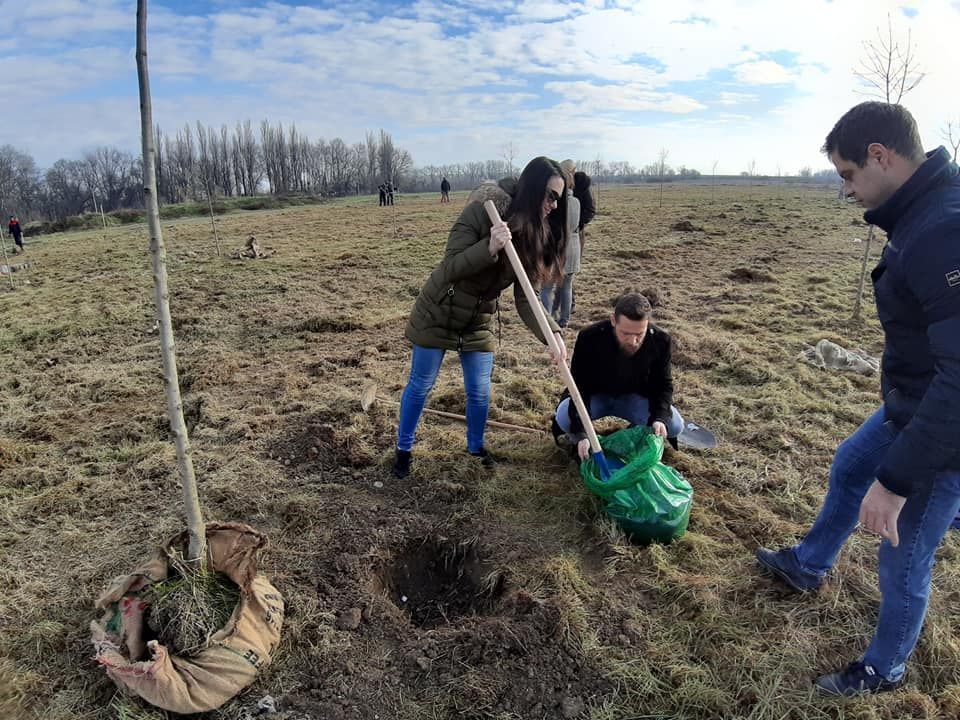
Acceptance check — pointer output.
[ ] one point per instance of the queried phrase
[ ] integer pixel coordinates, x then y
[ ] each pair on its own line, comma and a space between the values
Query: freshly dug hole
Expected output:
437, 582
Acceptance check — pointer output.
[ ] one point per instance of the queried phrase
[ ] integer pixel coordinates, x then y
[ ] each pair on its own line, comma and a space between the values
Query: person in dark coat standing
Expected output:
16, 232
444, 191
456, 308
898, 475
383, 193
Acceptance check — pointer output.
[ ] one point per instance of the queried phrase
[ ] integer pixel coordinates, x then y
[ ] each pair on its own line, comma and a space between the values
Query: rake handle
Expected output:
552, 343
463, 418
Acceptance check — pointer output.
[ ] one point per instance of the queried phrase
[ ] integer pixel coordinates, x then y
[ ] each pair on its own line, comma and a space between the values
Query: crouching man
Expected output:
622, 369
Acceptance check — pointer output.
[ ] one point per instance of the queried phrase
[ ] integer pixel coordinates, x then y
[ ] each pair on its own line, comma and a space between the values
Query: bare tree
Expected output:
509, 153
195, 528
372, 154
889, 68
661, 169
249, 158
948, 135
386, 154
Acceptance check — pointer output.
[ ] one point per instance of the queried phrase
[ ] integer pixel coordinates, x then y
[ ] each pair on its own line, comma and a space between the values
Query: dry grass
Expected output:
187, 608
273, 357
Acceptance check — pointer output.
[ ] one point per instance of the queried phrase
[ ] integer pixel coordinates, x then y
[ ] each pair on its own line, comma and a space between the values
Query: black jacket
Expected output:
600, 368
917, 288
581, 191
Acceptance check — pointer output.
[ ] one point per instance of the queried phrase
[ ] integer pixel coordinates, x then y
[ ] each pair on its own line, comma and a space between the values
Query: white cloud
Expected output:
736, 98
620, 98
763, 72
453, 80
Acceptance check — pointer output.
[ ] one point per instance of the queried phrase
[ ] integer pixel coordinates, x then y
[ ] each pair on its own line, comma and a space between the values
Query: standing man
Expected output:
898, 475
382, 188
444, 190
16, 232
389, 192
622, 369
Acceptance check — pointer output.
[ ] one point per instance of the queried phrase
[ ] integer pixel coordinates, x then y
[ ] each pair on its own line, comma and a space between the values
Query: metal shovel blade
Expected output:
697, 438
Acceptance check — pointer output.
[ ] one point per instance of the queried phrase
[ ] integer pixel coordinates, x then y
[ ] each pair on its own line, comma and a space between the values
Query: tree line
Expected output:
198, 162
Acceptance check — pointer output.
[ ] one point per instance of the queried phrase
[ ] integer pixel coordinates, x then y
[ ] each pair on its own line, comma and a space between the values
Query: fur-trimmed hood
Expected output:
501, 192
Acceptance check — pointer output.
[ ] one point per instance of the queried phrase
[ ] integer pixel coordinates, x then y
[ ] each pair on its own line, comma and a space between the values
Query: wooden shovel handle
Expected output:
541, 316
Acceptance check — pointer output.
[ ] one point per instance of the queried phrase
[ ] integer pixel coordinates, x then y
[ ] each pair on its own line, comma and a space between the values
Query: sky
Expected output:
717, 84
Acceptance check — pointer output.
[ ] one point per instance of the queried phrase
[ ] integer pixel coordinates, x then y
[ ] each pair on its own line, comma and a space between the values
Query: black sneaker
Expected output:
857, 678
401, 463
486, 459
784, 566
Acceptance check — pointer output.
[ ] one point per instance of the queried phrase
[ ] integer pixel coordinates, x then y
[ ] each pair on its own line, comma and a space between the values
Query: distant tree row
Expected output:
196, 163
276, 160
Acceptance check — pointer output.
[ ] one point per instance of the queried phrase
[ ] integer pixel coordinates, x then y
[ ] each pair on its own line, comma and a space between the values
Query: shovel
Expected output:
538, 311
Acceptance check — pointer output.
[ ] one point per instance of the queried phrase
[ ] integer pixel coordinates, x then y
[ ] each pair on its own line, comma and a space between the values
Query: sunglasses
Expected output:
553, 196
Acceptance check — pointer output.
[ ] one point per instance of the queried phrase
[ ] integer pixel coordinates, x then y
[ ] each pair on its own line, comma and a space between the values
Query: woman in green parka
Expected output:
455, 308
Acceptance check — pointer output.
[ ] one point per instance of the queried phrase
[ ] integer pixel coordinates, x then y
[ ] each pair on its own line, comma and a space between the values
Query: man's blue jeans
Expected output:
424, 369
557, 299
632, 408
904, 570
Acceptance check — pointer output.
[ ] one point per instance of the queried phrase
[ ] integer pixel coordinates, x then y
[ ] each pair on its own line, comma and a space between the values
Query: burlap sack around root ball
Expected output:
236, 653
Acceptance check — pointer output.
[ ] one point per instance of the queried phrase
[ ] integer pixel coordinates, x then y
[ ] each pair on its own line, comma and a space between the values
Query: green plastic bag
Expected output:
650, 501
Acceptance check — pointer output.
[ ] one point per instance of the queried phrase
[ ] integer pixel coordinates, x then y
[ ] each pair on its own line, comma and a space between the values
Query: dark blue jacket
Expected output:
917, 287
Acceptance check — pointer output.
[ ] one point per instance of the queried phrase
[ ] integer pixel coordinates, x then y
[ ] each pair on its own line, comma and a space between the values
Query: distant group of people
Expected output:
386, 190
897, 476
16, 232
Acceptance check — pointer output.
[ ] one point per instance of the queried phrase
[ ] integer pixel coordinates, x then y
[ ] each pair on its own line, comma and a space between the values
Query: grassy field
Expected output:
522, 600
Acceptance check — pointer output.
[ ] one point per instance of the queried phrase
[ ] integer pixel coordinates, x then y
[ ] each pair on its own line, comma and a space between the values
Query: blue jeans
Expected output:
632, 408
558, 303
424, 369
904, 570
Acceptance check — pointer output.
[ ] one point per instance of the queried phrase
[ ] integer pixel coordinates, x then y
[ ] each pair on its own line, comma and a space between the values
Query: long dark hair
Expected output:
541, 242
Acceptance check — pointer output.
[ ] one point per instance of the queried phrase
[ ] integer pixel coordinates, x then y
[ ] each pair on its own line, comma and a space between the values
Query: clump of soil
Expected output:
653, 295
325, 324
187, 608
685, 226
743, 274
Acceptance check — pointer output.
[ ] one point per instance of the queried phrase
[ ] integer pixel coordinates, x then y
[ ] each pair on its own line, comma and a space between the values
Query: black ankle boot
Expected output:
401, 463
486, 459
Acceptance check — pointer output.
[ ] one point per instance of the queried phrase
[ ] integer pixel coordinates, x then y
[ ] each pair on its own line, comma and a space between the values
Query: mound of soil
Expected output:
743, 274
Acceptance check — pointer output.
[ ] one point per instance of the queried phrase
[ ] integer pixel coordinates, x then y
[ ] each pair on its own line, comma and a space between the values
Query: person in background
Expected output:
444, 191
16, 232
557, 297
